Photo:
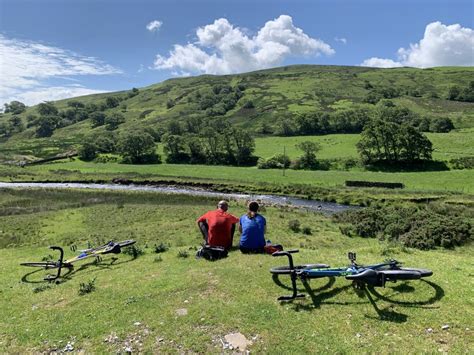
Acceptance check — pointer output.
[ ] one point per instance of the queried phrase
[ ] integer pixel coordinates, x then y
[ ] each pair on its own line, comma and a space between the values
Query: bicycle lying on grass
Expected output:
108, 248
374, 275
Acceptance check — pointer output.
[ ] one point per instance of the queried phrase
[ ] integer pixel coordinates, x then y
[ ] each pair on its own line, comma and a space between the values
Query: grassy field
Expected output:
163, 303
442, 181
276, 93
455, 144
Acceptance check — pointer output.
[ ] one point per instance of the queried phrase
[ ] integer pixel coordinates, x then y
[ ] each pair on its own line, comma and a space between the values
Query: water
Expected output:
313, 205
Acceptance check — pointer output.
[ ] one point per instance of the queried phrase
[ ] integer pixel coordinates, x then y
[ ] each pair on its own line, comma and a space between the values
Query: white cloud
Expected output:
441, 45
52, 93
154, 26
222, 48
380, 63
26, 66
341, 39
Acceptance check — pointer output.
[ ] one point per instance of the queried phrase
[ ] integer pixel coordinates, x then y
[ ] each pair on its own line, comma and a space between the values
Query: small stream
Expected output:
313, 205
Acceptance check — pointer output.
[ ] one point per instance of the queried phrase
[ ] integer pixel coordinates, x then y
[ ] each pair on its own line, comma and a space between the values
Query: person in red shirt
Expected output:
218, 226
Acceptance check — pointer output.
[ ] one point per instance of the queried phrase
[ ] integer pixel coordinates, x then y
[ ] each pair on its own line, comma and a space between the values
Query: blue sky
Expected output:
52, 49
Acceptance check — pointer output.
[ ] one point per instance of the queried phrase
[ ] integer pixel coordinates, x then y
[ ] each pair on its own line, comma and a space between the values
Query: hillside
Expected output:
256, 100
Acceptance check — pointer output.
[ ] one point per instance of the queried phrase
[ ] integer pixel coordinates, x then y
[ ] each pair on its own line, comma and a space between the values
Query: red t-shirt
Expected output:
220, 225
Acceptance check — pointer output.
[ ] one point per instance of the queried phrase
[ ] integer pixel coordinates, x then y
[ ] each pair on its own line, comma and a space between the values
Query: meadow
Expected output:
459, 181
165, 303
455, 144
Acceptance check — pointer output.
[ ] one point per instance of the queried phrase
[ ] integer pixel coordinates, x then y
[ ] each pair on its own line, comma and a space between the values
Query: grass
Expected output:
140, 299
276, 93
454, 180
455, 144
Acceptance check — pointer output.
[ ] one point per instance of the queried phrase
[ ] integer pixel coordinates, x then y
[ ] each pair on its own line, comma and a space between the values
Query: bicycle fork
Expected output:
293, 275
59, 263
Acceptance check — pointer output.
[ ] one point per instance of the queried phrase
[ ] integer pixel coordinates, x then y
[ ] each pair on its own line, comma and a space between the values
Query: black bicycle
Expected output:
374, 275
108, 248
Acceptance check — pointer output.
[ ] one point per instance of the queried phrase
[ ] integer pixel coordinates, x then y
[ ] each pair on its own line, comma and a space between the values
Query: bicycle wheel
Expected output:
394, 275
126, 243
285, 270
44, 265
422, 272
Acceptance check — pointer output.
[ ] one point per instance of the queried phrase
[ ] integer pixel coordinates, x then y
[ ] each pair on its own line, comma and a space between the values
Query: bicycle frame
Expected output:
110, 247
358, 273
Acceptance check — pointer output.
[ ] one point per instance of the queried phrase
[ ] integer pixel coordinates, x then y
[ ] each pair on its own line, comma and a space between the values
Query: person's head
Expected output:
223, 205
252, 209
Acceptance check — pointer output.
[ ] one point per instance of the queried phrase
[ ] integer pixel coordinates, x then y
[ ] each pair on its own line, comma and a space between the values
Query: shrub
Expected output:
134, 251
278, 161
306, 230
183, 254
294, 225
418, 227
161, 248
88, 287
462, 163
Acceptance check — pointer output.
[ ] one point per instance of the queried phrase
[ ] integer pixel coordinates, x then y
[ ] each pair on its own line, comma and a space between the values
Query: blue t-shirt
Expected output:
252, 231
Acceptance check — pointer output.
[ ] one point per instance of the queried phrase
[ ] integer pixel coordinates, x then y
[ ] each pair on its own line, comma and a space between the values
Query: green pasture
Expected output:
455, 144
453, 180
163, 303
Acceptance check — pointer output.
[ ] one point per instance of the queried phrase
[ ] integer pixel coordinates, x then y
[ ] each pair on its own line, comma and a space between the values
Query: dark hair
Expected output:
253, 209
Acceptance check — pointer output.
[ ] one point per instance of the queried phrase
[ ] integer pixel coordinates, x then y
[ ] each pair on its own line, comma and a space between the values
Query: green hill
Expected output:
256, 100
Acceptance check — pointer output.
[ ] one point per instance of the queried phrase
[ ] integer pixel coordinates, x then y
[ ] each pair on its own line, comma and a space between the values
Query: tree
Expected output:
14, 107
389, 142
441, 125
112, 101
75, 104
174, 147
47, 108
453, 92
97, 119
138, 147
244, 147
47, 125
16, 123
113, 120
87, 151
308, 160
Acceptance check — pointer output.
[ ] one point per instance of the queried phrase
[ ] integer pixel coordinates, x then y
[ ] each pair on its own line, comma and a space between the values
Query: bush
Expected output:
87, 151
294, 225
161, 248
88, 287
418, 227
306, 230
278, 161
462, 163
138, 147
134, 251
183, 254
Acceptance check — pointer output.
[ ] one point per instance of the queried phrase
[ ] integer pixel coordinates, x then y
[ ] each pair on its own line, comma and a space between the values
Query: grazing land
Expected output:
162, 302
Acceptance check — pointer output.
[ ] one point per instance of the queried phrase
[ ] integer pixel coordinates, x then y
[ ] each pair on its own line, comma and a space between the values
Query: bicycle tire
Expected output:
45, 265
126, 243
285, 270
422, 272
394, 275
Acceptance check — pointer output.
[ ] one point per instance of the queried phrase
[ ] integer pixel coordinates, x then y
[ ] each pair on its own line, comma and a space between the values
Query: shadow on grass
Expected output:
68, 273
319, 297
403, 288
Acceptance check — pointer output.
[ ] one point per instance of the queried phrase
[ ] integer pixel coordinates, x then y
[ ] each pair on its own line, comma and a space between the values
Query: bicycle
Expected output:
108, 248
374, 275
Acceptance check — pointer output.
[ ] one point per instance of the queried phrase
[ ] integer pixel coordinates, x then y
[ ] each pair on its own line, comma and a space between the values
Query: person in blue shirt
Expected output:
252, 228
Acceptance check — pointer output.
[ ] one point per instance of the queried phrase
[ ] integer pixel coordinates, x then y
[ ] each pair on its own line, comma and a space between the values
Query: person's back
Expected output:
219, 226
252, 228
